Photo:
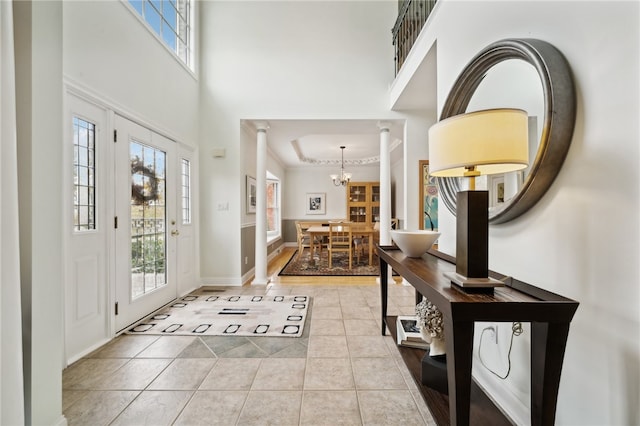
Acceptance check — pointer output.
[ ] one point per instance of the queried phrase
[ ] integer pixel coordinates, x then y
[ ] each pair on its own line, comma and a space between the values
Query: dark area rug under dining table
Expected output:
319, 265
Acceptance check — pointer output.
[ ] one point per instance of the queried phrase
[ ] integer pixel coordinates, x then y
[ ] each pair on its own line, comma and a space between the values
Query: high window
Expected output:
84, 173
273, 208
171, 21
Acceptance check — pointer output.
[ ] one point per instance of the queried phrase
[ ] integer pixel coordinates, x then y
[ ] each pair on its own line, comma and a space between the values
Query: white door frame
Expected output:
191, 282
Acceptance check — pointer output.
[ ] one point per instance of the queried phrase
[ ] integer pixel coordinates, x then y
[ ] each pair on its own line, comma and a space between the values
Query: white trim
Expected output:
273, 238
222, 281
335, 162
62, 421
101, 100
87, 351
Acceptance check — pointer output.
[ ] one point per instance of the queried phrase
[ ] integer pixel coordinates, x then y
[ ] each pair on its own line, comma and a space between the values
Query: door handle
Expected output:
175, 233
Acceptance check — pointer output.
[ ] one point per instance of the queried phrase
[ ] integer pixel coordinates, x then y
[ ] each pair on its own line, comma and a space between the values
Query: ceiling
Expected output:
312, 143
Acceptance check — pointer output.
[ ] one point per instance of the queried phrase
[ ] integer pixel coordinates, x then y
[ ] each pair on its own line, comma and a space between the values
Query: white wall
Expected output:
281, 60
416, 148
581, 239
316, 179
110, 53
248, 161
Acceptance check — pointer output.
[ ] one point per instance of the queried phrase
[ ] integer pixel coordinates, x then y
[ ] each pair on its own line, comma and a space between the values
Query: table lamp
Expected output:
477, 143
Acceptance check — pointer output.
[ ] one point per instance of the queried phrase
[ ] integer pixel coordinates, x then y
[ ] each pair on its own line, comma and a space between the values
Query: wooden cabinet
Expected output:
363, 202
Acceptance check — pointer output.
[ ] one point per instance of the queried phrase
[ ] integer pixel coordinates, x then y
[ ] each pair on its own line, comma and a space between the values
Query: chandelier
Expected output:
344, 178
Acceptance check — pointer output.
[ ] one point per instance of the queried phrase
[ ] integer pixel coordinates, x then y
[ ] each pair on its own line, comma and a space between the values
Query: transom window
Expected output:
171, 21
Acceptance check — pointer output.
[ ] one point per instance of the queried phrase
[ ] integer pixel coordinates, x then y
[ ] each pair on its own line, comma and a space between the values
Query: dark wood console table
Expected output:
548, 313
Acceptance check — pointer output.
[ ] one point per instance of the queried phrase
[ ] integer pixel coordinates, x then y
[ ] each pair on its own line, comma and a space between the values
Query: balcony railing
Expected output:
412, 14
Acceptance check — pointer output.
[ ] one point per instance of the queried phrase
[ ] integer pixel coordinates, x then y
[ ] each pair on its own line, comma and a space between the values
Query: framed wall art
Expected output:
428, 198
316, 203
252, 188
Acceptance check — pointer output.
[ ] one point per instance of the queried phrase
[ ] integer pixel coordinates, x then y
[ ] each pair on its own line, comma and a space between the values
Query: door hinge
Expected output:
115, 222
115, 135
116, 308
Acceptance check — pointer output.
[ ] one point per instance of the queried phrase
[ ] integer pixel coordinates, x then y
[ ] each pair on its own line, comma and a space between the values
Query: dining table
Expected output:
357, 231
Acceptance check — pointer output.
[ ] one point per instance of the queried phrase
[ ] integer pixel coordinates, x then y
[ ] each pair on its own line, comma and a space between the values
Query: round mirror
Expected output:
526, 74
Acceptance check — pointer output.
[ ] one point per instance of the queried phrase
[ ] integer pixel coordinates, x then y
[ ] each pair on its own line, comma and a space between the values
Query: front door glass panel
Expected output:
148, 219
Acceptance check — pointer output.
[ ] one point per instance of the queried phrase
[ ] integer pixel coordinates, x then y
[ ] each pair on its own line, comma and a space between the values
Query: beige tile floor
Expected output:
341, 372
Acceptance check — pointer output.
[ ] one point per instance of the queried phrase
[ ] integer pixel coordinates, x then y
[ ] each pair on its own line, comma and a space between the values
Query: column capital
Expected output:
384, 126
261, 126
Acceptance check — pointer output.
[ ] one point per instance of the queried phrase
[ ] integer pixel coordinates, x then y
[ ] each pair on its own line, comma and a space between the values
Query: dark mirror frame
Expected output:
558, 121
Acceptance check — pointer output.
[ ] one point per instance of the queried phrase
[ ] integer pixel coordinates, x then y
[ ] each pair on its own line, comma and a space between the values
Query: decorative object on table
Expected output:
414, 243
211, 315
428, 198
252, 188
316, 203
408, 333
344, 178
431, 326
473, 144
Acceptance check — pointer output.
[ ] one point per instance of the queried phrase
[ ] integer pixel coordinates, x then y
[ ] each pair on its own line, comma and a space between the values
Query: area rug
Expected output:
206, 315
304, 265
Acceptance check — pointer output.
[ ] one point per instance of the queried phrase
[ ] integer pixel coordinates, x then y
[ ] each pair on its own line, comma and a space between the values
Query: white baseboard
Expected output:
62, 421
87, 351
221, 281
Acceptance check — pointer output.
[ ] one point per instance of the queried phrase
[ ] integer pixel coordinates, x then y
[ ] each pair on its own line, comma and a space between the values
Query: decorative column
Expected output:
385, 188
261, 204
385, 184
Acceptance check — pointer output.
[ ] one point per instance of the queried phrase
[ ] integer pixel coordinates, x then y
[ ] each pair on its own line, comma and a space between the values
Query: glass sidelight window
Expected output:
186, 191
84, 175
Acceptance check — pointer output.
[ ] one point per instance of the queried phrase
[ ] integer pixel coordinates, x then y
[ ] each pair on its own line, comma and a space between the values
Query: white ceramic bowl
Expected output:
414, 243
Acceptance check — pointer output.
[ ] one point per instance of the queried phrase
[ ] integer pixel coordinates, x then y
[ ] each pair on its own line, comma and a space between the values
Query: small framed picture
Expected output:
316, 203
496, 190
251, 195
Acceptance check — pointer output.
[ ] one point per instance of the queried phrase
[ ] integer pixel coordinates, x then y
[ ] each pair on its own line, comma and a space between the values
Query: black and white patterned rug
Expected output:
224, 315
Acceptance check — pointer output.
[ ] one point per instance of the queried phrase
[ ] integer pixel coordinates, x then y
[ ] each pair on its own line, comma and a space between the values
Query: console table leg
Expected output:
548, 342
459, 343
383, 292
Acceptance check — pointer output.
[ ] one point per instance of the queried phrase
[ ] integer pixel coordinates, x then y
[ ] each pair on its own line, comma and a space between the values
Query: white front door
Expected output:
146, 215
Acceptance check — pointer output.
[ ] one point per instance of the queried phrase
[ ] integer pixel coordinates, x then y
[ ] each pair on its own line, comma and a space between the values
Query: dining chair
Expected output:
304, 240
360, 242
340, 240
